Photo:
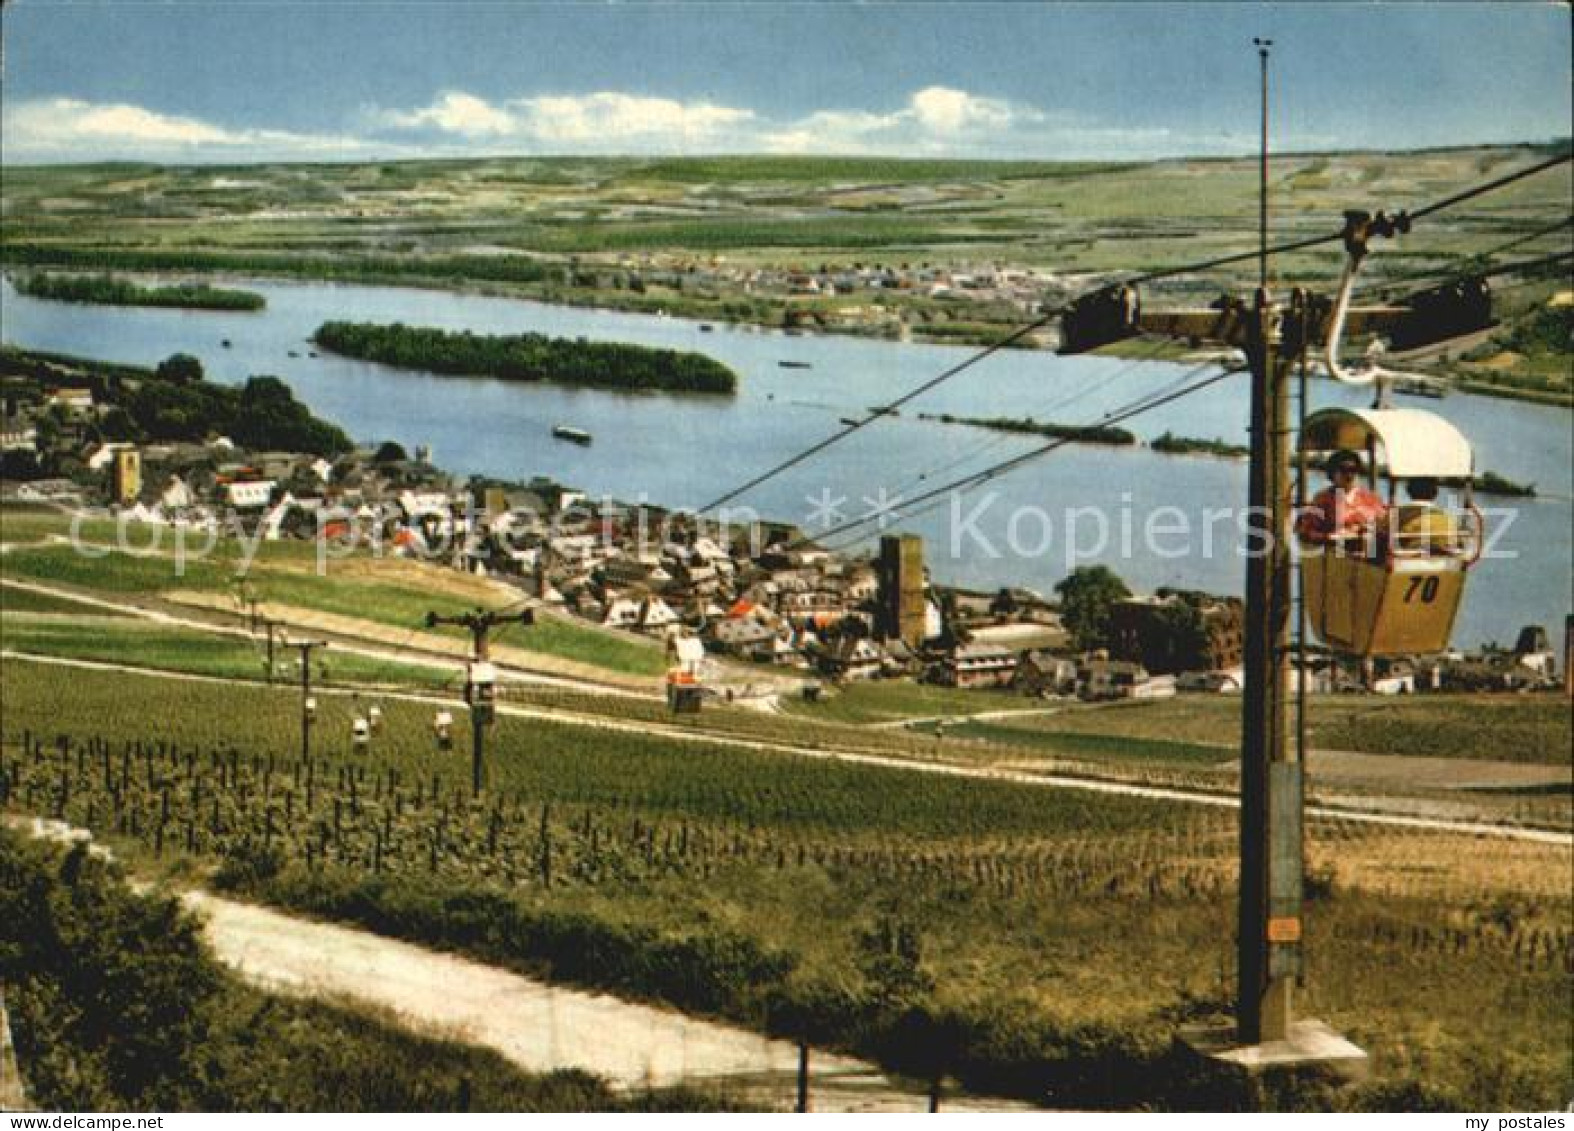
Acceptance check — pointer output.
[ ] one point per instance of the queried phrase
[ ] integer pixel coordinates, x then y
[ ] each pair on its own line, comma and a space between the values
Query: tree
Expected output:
118, 425
1185, 635
49, 426
1087, 595
181, 368
111, 991
390, 452
269, 417
890, 958
18, 463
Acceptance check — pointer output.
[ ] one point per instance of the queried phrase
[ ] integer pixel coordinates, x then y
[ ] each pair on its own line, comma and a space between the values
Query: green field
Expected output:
566, 230
20, 522
14, 600
1184, 736
1063, 934
1501, 727
284, 573
1068, 743
887, 701
1046, 942
1071, 216
137, 643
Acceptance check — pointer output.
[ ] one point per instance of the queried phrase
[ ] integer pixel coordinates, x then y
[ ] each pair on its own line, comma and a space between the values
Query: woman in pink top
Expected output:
1344, 510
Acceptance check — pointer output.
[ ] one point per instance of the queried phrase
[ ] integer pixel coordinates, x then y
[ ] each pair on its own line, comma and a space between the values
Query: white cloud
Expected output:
937, 121
57, 129
66, 121
831, 131
458, 113
941, 110
607, 118
605, 121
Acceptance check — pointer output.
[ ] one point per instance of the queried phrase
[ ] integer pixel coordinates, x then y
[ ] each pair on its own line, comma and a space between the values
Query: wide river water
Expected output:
1026, 529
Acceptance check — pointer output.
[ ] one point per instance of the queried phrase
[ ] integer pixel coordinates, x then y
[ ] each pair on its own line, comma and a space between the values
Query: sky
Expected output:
234, 81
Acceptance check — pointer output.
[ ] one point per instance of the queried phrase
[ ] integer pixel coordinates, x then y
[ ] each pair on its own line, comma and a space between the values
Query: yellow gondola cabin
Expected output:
1398, 591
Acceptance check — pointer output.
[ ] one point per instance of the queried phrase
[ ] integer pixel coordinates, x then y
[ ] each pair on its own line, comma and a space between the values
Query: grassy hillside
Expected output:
1071, 216
389, 592
1504, 727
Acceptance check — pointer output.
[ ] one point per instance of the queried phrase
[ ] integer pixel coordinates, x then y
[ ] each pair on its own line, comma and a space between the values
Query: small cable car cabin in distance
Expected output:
1396, 590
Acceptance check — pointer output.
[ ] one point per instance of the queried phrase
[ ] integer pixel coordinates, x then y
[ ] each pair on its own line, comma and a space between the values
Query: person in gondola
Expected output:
1344, 512
1422, 527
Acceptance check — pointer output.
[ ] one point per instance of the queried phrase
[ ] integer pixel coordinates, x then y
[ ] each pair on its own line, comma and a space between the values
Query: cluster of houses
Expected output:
982, 282
72, 406
992, 284
214, 484
1530, 665
759, 593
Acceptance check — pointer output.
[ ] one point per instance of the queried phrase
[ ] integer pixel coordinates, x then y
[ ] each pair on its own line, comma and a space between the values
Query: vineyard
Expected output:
1532, 729
1052, 939
120, 639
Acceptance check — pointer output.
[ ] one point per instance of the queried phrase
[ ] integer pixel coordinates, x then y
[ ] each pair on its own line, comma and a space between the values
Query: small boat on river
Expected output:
572, 435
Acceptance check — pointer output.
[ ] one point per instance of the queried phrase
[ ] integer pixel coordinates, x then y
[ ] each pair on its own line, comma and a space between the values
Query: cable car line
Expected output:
1520, 241
966, 483
1132, 365
1461, 268
1139, 401
1146, 277
910, 509
1490, 186
1143, 404
955, 370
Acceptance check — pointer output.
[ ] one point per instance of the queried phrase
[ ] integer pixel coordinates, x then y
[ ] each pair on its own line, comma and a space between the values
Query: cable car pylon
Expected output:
1270, 959
1398, 598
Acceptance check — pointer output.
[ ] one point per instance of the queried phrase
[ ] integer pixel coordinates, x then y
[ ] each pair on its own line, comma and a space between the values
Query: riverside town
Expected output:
757, 559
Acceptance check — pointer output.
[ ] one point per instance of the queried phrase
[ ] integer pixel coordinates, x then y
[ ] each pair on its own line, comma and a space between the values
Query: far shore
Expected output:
621, 302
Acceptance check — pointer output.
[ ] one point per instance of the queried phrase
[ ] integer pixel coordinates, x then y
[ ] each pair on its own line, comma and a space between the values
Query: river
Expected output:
1025, 529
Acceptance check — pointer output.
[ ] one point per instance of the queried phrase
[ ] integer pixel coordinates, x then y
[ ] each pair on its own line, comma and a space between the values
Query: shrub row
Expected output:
528, 357
110, 291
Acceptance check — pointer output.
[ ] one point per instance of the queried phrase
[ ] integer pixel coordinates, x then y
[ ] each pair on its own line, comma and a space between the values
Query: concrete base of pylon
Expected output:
1309, 1047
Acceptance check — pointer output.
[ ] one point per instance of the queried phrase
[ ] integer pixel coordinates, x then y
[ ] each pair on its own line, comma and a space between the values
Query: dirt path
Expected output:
1352, 767
535, 1025
959, 720
1336, 767
1365, 814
